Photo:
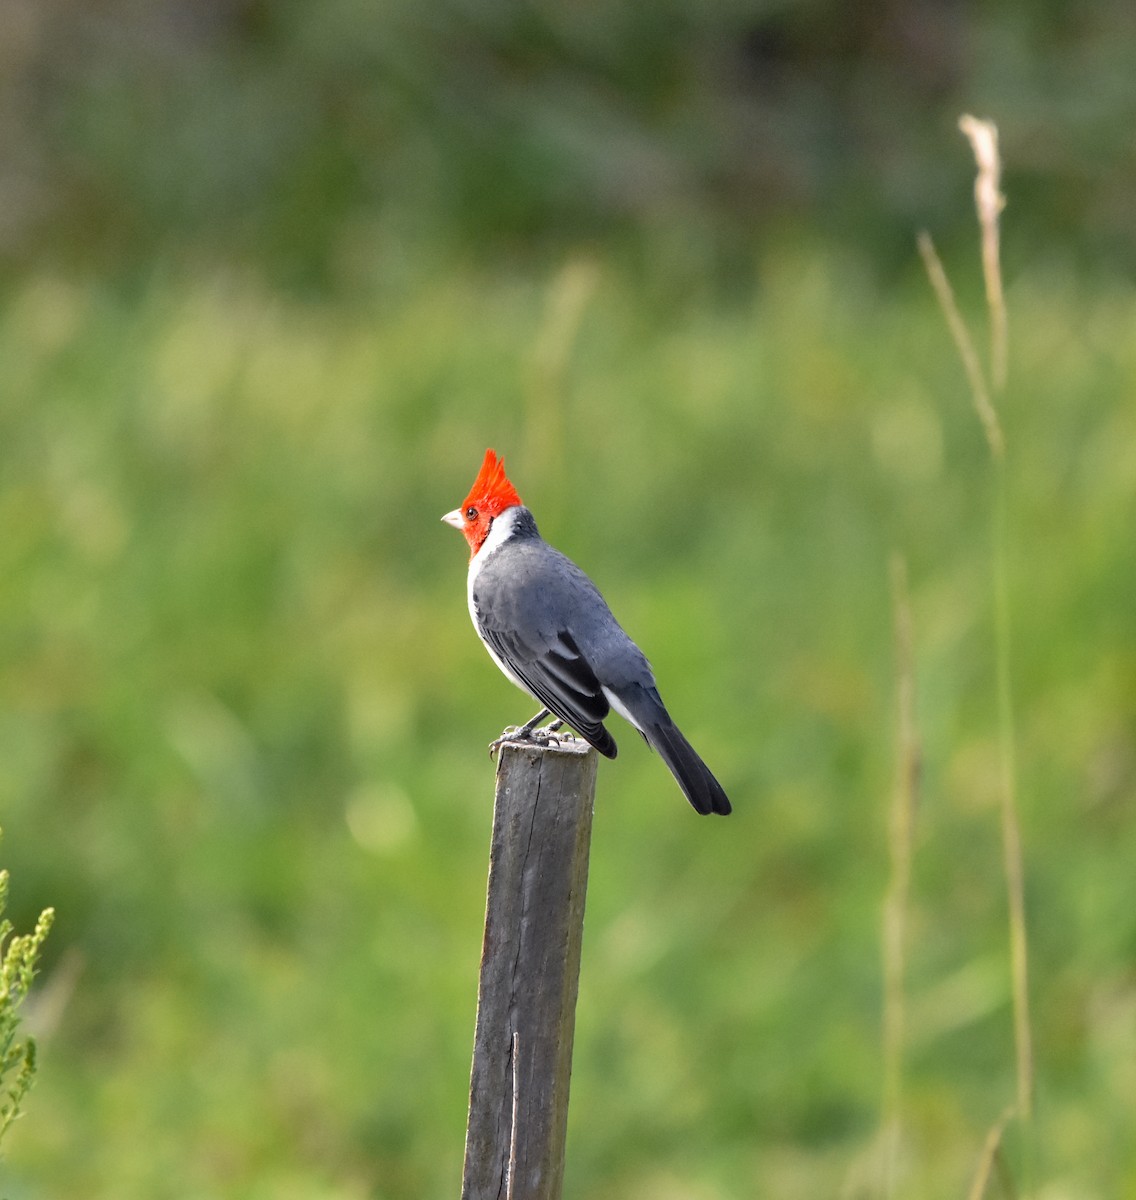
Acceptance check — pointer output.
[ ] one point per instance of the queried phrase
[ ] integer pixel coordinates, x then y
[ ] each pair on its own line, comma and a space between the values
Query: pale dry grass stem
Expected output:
1012, 835
989, 201
992, 1157
901, 841
983, 405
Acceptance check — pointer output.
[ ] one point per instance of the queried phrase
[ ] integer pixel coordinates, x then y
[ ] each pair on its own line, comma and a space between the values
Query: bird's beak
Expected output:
454, 518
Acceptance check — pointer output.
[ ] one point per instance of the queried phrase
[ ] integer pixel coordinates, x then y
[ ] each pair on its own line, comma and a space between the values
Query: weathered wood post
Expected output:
530, 968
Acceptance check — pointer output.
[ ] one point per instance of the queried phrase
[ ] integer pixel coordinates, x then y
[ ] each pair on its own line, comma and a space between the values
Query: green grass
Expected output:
244, 718
18, 957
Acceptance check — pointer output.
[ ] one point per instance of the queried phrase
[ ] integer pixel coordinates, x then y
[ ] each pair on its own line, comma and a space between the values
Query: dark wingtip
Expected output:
606, 745
599, 739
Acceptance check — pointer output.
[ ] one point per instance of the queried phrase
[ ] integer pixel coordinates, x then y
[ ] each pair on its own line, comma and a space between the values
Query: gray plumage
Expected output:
549, 629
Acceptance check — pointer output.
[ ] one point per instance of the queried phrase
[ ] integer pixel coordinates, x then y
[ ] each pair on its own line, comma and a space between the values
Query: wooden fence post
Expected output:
530, 968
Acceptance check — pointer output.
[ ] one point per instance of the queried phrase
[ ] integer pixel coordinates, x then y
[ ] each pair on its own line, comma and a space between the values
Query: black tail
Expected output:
642, 706
695, 778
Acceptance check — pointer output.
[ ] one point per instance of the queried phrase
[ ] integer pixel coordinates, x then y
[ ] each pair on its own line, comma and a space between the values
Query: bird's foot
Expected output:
530, 733
549, 733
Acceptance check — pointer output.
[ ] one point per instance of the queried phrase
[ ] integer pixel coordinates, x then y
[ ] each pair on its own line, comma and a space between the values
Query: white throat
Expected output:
499, 533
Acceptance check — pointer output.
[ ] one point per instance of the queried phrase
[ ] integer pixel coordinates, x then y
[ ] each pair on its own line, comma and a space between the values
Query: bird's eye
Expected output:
471, 513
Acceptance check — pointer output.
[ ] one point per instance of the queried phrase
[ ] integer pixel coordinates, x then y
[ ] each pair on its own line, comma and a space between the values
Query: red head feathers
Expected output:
491, 489
490, 495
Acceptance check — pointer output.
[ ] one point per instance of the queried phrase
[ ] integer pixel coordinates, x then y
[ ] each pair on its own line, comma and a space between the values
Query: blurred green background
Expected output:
272, 277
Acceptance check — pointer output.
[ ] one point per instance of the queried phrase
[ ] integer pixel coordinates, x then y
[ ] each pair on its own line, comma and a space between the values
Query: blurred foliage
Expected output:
245, 716
275, 276
322, 142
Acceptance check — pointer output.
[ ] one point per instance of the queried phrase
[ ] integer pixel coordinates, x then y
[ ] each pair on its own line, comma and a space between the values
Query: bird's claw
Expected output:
527, 733
510, 732
548, 734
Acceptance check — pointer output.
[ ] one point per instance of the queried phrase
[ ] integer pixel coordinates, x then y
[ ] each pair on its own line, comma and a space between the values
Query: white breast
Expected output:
499, 532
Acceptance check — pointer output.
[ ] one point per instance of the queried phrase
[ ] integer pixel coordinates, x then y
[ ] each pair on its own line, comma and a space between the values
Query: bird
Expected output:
549, 630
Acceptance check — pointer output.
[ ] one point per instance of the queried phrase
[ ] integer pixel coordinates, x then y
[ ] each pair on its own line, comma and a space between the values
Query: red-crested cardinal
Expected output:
547, 627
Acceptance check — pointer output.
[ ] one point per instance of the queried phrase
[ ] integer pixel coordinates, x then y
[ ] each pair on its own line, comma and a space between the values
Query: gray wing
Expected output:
561, 678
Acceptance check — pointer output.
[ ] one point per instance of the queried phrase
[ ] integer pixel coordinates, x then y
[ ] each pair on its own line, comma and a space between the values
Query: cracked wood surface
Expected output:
530, 966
